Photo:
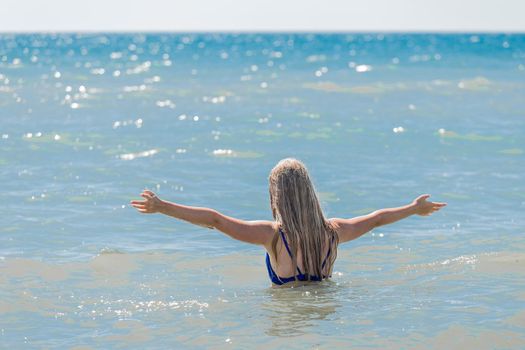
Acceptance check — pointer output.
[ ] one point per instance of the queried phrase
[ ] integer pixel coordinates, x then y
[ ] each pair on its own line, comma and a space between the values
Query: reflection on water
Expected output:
294, 311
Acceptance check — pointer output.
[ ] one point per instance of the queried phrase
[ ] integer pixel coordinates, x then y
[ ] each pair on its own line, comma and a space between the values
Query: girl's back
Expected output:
285, 271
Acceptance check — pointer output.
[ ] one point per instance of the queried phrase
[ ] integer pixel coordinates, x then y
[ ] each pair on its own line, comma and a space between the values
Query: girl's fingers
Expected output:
424, 196
144, 206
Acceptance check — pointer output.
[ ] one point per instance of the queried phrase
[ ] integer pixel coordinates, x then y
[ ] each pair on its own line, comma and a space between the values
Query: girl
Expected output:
301, 244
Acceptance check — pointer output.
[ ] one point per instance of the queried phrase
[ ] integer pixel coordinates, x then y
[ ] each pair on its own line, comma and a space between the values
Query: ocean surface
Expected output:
87, 121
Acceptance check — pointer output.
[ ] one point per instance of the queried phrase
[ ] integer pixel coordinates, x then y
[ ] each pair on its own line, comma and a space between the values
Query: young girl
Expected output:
301, 243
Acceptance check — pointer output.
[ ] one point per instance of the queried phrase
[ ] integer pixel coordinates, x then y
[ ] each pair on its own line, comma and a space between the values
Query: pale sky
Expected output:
262, 15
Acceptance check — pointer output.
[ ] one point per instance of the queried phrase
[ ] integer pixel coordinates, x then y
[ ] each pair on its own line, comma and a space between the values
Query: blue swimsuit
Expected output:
300, 276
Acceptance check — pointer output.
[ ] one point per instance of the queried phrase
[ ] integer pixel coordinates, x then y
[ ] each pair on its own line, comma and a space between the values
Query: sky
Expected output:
263, 15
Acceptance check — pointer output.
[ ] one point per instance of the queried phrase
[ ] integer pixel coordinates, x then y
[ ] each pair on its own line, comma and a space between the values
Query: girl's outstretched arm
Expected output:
349, 229
256, 232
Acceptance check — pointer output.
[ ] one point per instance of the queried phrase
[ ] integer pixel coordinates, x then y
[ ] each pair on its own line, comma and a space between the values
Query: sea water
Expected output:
87, 121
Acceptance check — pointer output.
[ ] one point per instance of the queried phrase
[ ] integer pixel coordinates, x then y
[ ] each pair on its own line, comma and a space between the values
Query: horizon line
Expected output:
266, 31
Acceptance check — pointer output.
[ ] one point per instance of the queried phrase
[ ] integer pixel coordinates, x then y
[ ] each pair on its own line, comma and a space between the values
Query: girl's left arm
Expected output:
255, 232
349, 229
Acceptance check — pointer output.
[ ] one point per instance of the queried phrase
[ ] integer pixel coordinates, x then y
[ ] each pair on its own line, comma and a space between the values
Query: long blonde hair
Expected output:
296, 208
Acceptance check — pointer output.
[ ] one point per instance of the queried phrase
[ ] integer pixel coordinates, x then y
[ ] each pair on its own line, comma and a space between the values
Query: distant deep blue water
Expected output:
89, 120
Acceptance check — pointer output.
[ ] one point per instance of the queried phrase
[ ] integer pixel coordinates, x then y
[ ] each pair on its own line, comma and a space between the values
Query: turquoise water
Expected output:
89, 120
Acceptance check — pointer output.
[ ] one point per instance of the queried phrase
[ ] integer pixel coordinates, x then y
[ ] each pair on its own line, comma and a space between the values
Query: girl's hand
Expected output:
425, 208
151, 203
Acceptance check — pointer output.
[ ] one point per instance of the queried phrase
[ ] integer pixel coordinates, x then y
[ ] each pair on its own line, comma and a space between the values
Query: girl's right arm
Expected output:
255, 232
349, 229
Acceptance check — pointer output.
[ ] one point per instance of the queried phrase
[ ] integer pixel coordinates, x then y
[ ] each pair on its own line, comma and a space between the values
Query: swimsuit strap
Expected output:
288, 248
328, 254
290, 252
